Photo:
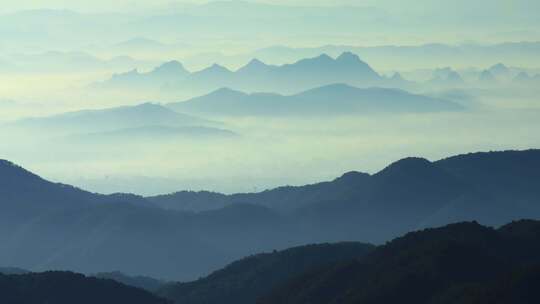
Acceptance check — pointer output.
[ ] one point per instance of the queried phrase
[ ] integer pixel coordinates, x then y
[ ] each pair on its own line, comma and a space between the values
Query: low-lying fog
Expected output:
265, 151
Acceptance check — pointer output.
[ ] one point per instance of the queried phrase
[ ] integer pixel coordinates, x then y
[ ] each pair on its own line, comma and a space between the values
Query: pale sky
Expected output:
508, 6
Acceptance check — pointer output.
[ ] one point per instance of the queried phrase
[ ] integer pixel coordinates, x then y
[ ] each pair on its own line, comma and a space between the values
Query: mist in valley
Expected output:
269, 152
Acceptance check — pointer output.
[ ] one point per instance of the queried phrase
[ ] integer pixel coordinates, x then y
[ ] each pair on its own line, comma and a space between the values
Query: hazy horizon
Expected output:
63, 56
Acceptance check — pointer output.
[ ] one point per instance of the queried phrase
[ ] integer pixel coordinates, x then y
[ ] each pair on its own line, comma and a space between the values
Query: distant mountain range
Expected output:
297, 77
114, 118
54, 226
331, 99
144, 121
406, 57
258, 76
169, 72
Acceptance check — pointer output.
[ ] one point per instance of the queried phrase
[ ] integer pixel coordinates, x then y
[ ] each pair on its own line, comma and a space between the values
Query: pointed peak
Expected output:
499, 68
217, 67
324, 56
348, 56
170, 67
226, 92
147, 104
255, 62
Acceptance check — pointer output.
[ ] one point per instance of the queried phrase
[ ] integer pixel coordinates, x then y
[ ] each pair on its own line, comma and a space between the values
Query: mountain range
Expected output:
454, 264
145, 121
55, 226
295, 78
245, 280
406, 57
257, 76
459, 263
331, 99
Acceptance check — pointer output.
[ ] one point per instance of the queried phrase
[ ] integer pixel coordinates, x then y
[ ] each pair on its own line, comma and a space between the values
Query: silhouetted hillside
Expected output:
23, 189
246, 280
13, 270
331, 99
518, 286
69, 288
191, 201
424, 267
53, 226
493, 188
142, 282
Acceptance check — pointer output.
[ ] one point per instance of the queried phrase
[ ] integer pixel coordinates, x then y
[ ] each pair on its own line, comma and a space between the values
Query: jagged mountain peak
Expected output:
172, 66
348, 57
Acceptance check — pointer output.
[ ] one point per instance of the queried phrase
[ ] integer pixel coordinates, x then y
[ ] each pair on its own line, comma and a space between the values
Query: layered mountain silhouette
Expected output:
54, 226
408, 194
304, 74
486, 77
67, 287
26, 191
446, 77
250, 278
142, 282
330, 99
459, 263
12, 270
114, 118
145, 121
500, 70
407, 56
523, 78
168, 72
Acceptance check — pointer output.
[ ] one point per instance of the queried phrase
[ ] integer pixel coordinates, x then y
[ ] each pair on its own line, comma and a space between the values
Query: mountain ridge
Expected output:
336, 99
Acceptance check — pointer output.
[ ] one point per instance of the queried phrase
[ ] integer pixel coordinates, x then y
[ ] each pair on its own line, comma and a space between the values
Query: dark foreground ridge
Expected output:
456, 264
245, 280
69, 288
